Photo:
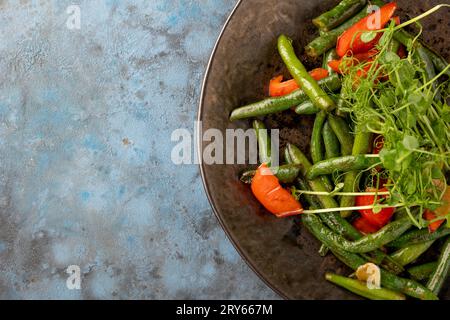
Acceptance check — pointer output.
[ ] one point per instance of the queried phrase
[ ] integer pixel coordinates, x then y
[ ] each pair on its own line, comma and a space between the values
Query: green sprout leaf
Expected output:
368, 36
390, 57
410, 143
389, 157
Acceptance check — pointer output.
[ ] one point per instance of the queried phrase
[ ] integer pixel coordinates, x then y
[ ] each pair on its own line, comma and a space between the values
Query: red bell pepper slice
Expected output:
378, 144
402, 53
278, 88
339, 65
430, 216
379, 219
269, 192
441, 211
351, 38
396, 20
364, 226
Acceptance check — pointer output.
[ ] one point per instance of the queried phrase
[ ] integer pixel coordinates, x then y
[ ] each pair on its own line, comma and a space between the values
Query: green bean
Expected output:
424, 51
376, 256
365, 244
362, 141
409, 254
438, 61
331, 142
317, 145
312, 200
341, 104
388, 280
388, 263
402, 213
350, 184
342, 131
327, 40
264, 143
361, 145
287, 156
314, 204
330, 55
394, 46
423, 271
419, 236
323, 250
339, 14
278, 104
407, 40
342, 164
346, 140
360, 288
422, 58
285, 173
324, 42
316, 137
306, 108
439, 276
406, 286
298, 71
404, 38
333, 220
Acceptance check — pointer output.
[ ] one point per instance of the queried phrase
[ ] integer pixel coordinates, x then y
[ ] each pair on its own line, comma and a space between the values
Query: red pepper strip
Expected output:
364, 226
402, 53
362, 73
378, 144
338, 65
379, 219
351, 38
278, 88
430, 216
272, 195
396, 20
441, 211
335, 65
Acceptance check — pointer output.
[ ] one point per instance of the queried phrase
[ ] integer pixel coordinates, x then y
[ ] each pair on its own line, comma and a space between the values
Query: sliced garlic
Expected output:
370, 273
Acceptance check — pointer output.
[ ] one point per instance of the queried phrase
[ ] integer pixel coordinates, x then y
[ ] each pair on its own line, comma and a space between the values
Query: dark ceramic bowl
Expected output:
245, 58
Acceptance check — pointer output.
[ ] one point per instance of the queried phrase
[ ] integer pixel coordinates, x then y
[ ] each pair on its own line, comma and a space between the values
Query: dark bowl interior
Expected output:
281, 252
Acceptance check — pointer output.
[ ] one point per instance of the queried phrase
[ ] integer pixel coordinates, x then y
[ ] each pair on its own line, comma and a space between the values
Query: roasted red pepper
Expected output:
402, 53
339, 65
278, 88
272, 195
378, 220
378, 144
364, 226
351, 38
441, 211
396, 20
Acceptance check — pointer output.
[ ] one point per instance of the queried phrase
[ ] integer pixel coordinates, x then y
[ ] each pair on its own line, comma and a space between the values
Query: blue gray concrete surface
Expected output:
85, 171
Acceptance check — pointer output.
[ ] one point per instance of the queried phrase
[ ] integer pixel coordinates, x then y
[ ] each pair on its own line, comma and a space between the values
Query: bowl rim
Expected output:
199, 150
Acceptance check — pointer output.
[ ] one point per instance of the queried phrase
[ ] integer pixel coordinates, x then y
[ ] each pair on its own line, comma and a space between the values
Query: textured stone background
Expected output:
85, 171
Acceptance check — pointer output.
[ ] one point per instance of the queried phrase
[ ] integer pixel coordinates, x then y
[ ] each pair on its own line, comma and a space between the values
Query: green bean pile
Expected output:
344, 160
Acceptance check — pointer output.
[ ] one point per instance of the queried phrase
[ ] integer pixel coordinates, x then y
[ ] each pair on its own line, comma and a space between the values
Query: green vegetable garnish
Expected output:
398, 100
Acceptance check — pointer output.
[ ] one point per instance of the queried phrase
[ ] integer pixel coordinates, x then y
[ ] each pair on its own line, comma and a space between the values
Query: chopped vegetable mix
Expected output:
376, 192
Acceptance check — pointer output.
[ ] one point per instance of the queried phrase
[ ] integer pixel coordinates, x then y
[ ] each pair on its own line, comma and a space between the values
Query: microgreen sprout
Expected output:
397, 99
